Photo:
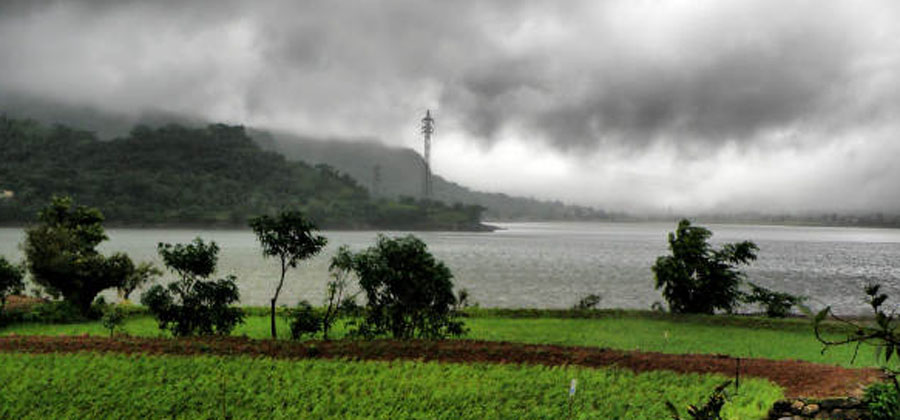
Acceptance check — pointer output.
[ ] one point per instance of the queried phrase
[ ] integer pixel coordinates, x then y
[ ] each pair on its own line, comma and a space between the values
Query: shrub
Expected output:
303, 320
62, 257
711, 410
698, 279
883, 401
10, 280
776, 304
55, 312
113, 317
193, 304
464, 300
588, 302
409, 294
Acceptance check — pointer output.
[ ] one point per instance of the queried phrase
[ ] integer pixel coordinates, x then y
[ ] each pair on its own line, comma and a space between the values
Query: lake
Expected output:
553, 265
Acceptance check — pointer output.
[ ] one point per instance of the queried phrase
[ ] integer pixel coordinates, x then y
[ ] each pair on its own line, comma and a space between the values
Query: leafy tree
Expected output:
340, 268
10, 280
696, 278
193, 304
409, 294
291, 238
143, 274
62, 257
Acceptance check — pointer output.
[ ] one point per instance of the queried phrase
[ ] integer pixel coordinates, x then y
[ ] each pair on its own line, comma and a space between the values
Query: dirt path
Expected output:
797, 378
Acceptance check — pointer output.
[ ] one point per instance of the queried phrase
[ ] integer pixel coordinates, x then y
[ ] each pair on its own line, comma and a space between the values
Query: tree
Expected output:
62, 257
409, 293
192, 304
340, 268
291, 238
143, 274
696, 278
10, 280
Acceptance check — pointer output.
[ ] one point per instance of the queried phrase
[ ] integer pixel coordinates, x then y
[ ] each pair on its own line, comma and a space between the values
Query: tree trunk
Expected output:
275, 298
274, 331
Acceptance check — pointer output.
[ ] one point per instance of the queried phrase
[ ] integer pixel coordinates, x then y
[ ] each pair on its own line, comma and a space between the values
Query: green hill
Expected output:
174, 175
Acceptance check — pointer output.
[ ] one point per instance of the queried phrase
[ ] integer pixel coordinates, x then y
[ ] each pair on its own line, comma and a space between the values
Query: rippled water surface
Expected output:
554, 264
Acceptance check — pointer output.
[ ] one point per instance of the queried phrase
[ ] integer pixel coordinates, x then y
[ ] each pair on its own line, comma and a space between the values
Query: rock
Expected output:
810, 410
797, 407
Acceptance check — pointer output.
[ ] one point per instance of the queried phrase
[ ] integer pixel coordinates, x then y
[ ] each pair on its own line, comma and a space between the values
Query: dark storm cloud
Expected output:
721, 83
574, 75
776, 96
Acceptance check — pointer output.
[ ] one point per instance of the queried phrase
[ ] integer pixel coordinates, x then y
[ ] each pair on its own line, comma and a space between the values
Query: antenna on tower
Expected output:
427, 130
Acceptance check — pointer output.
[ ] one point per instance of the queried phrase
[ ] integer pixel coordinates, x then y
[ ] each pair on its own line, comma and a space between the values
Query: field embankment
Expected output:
796, 377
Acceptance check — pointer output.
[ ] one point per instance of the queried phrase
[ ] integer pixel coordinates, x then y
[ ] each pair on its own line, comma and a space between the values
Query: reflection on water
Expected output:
555, 264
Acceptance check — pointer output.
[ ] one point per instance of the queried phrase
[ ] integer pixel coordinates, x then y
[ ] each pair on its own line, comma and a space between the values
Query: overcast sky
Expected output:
637, 105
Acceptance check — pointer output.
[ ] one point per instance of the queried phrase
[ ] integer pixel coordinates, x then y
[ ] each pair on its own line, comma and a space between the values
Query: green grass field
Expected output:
118, 386
787, 339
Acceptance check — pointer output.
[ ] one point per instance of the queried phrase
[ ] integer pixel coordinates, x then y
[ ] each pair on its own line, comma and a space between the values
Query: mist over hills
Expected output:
400, 168
401, 173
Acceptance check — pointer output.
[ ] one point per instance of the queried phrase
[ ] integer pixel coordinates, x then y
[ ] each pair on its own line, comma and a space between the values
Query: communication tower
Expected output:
427, 130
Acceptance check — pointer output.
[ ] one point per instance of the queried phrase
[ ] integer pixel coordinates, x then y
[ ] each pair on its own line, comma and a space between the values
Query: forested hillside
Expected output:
173, 174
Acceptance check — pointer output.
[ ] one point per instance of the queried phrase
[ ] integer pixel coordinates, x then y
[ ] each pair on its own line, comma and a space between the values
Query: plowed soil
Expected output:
797, 378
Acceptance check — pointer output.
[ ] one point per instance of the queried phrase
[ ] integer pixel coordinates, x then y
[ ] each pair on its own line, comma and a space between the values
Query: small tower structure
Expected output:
427, 131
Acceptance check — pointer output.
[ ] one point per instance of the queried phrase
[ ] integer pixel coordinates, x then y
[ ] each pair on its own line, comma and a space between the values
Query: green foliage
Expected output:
193, 304
336, 305
191, 261
883, 401
62, 257
215, 175
144, 273
696, 278
588, 302
303, 320
11, 280
776, 304
883, 334
291, 238
711, 410
408, 293
55, 312
53, 386
113, 317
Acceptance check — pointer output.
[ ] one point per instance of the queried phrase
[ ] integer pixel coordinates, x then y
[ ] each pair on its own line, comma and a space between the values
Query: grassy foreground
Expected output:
54, 386
769, 339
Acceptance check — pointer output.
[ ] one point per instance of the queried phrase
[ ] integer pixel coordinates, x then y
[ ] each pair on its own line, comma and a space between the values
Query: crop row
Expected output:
122, 386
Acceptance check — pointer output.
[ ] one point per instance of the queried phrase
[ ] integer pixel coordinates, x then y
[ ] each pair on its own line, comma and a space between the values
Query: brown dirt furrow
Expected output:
796, 377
